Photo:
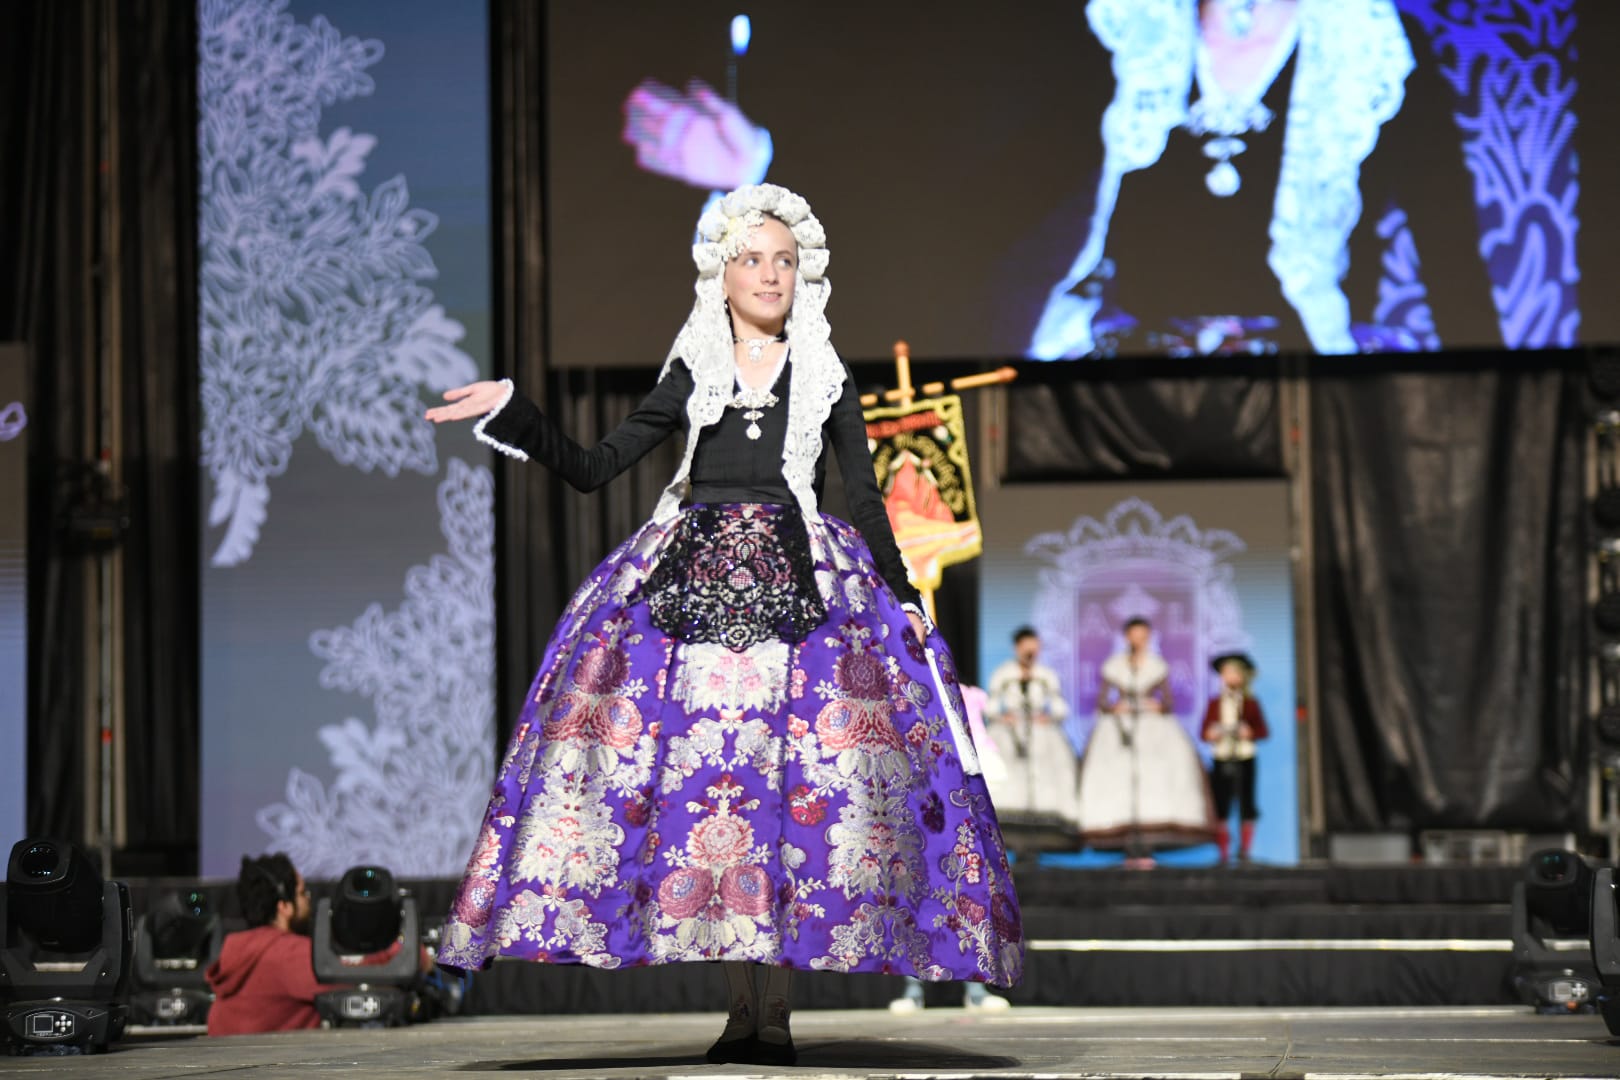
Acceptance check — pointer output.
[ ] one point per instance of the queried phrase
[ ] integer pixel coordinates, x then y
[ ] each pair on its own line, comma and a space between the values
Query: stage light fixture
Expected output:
173, 950
1553, 966
369, 914
366, 917
66, 954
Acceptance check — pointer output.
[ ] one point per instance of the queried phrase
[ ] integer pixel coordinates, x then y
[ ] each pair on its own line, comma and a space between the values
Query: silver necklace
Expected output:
748, 398
755, 346
1227, 116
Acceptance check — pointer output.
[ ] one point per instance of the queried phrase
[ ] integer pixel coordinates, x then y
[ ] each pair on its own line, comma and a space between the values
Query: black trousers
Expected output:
1229, 780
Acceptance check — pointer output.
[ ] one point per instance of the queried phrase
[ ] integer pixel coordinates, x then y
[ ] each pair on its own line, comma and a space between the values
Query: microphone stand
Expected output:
1128, 738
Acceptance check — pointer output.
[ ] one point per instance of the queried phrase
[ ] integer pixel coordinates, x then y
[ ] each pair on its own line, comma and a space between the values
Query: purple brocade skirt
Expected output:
794, 802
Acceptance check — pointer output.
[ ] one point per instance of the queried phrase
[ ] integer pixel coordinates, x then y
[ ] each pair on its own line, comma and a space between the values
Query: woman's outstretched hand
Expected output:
470, 401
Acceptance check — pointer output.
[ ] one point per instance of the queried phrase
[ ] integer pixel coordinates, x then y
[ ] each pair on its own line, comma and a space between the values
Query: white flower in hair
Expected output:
737, 232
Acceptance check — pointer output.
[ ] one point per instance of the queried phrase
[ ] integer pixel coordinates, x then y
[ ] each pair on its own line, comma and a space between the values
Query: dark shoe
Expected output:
732, 1051
736, 1042
773, 1044
775, 1054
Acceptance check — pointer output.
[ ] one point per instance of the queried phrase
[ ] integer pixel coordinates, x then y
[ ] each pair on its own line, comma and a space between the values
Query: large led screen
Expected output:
348, 577
1063, 179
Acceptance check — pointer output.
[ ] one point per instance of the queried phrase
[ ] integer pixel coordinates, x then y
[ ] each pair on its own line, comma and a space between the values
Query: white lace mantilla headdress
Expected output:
705, 343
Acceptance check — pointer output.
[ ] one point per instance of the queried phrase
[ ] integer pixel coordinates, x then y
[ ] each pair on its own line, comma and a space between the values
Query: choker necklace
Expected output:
756, 346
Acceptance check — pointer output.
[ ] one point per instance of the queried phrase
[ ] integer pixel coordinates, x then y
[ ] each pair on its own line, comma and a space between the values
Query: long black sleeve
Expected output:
520, 429
847, 430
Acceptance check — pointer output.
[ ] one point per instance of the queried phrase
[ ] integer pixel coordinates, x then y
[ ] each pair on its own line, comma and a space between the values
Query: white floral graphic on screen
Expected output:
315, 313
411, 786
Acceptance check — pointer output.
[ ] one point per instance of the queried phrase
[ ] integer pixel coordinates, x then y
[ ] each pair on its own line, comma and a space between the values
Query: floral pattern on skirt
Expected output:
799, 804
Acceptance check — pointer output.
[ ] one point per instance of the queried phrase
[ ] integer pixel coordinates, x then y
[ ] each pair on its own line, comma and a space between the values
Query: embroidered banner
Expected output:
921, 456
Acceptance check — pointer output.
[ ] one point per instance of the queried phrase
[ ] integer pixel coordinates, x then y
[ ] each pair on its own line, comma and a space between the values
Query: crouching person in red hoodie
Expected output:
264, 979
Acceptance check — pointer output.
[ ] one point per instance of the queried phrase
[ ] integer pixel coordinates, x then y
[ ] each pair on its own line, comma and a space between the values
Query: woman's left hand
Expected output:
470, 401
917, 626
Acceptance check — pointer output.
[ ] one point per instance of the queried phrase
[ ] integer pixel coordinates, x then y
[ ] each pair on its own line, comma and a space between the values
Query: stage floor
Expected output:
1047, 1043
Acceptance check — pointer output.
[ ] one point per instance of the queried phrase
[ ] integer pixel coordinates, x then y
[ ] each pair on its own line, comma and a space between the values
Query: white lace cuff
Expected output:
921, 613
490, 440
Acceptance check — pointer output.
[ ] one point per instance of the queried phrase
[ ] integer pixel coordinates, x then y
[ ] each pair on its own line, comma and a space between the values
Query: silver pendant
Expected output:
752, 417
1223, 180
1240, 16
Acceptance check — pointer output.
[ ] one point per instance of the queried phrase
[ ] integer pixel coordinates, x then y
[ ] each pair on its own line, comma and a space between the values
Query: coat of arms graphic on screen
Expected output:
1133, 563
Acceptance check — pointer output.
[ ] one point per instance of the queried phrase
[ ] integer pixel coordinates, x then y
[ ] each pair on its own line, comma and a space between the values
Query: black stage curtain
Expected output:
44, 237
1069, 425
1450, 559
529, 553
99, 247
549, 536
161, 422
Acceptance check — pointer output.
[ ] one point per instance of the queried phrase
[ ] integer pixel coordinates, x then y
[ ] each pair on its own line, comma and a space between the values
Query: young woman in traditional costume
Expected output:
745, 742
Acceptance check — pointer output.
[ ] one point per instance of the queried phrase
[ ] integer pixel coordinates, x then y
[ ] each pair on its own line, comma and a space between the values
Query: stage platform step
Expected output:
1328, 922
1266, 886
1078, 972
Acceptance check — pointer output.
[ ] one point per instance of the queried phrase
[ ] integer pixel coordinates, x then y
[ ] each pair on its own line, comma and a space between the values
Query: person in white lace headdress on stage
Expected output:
746, 743
1040, 787
1142, 783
